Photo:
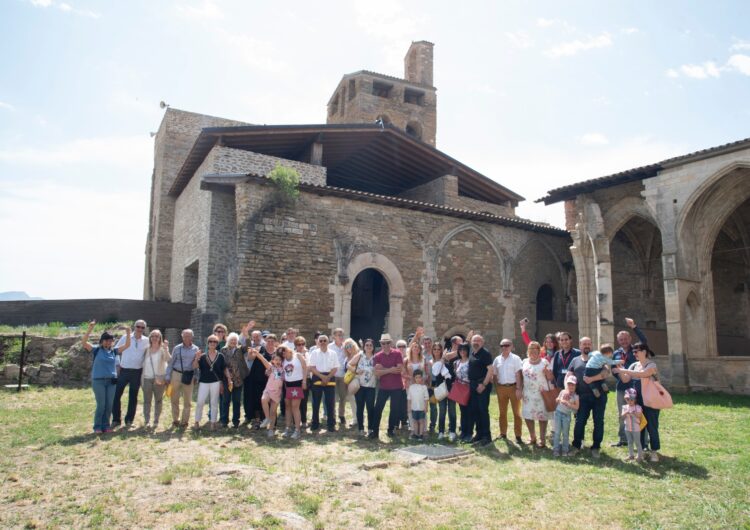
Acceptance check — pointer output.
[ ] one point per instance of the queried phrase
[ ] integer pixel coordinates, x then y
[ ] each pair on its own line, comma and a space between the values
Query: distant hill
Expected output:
9, 296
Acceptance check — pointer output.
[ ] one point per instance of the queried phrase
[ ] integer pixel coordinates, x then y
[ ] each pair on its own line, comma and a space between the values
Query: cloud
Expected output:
546, 23
6, 106
519, 39
739, 63
64, 7
206, 10
701, 71
629, 31
133, 152
740, 45
567, 49
594, 138
672, 73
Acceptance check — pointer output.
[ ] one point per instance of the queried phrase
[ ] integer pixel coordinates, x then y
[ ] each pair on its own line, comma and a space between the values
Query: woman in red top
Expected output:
550, 345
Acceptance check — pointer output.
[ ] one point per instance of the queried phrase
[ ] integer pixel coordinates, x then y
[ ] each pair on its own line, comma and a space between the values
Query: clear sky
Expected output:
535, 95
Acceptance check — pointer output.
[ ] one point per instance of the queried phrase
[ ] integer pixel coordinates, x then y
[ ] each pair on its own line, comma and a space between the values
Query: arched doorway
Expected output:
370, 305
730, 273
545, 303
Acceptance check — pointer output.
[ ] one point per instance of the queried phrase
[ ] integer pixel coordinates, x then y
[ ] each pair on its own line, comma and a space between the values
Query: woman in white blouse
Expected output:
154, 369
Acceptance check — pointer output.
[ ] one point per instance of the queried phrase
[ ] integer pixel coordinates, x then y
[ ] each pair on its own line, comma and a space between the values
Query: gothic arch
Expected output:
502, 257
545, 246
342, 293
707, 210
625, 209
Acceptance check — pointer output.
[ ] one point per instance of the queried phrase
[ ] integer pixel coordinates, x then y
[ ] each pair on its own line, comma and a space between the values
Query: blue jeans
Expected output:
235, 399
104, 393
561, 432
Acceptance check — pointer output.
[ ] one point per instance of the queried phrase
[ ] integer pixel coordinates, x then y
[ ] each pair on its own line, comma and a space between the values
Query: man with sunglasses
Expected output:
131, 370
507, 368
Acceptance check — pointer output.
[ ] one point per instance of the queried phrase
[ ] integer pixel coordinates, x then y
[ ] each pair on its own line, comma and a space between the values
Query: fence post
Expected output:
23, 355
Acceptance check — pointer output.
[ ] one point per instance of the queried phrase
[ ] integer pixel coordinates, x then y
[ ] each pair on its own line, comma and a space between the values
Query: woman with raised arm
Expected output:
103, 375
550, 345
154, 376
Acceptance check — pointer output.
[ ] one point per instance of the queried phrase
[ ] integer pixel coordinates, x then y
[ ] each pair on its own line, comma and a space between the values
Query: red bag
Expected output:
459, 393
294, 392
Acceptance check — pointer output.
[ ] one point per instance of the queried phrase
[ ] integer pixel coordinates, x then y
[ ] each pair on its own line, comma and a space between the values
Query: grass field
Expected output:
55, 474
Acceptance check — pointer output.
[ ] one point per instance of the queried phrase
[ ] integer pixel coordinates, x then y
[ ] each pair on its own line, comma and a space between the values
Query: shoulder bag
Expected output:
187, 375
459, 393
655, 395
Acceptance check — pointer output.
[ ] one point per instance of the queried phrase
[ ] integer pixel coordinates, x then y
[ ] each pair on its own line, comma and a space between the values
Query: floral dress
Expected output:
534, 382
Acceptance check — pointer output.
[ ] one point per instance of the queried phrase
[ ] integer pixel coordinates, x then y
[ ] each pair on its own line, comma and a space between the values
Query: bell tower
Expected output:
408, 103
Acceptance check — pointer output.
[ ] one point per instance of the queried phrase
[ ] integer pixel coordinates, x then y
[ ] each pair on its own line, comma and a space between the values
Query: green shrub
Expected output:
286, 180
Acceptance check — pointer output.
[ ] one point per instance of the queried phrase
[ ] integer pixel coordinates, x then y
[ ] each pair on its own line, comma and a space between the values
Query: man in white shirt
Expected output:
131, 370
509, 387
324, 366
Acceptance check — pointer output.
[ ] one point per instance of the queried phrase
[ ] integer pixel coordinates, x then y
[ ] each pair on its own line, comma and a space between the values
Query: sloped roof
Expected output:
368, 157
219, 181
639, 173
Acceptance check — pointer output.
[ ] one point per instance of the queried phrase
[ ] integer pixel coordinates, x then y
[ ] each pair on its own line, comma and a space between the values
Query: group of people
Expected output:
255, 373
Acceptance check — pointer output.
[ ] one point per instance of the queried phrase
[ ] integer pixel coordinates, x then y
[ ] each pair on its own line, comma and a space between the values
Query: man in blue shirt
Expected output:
625, 351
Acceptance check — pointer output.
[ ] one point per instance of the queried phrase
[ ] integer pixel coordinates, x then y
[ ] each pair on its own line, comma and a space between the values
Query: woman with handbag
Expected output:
460, 392
154, 370
534, 382
363, 366
441, 386
651, 395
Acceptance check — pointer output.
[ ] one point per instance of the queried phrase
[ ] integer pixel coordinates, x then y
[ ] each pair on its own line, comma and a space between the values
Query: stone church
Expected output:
389, 233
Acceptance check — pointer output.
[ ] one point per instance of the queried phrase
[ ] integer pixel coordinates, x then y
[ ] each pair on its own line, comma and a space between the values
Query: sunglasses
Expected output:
140, 327
505, 345
322, 340
219, 331
213, 342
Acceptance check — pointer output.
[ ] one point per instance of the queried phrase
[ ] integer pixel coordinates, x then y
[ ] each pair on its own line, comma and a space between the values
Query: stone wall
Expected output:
291, 261
73, 312
366, 107
174, 139
444, 191
229, 160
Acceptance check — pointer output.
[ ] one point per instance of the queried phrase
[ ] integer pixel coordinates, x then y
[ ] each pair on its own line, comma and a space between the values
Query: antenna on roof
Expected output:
163, 105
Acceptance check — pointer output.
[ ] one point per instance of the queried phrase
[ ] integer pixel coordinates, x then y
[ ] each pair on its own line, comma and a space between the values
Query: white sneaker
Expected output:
271, 433
362, 432
295, 435
287, 433
452, 437
264, 423
654, 456
441, 435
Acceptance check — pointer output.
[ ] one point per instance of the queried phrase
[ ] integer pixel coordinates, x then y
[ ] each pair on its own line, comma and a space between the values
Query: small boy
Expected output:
567, 404
631, 414
597, 361
417, 401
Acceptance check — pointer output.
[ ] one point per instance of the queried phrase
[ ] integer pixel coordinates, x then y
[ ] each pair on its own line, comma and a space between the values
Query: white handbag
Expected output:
441, 391
353, 386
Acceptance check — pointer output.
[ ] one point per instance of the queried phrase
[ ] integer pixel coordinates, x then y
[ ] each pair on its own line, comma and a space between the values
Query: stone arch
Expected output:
414, 129
546, 247
625, 209
502, 256
707, 210
396, 291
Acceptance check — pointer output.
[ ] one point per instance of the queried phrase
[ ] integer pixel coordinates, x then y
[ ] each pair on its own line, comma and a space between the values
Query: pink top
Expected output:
631, 416
275, 379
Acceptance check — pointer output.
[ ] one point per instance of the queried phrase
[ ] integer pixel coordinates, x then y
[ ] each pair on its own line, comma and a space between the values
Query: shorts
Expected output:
417, 415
